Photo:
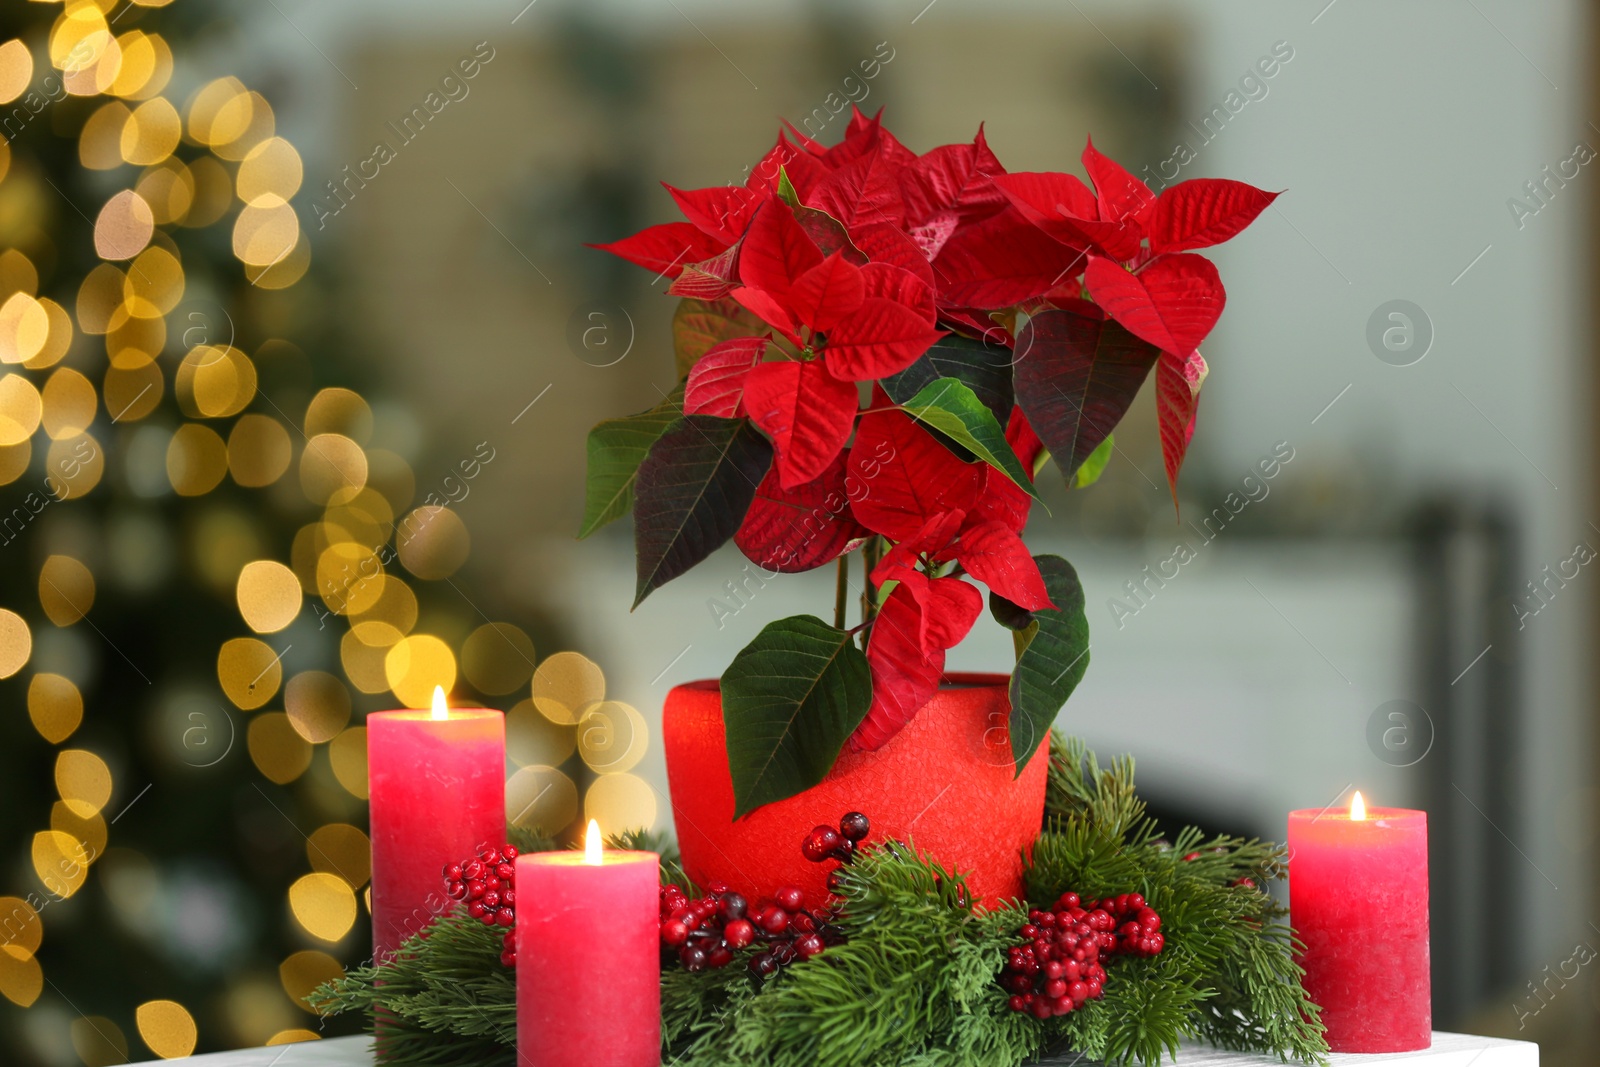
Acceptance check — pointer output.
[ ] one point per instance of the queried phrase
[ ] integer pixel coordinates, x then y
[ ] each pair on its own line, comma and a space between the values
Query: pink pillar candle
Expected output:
438, 795
588, 958
1358, 899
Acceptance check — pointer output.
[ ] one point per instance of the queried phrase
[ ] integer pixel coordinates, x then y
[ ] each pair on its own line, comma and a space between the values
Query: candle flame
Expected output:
441, 710
591, 844
1358, 808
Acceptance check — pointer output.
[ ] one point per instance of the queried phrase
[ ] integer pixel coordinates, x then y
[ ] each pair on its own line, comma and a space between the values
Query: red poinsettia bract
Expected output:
991, 314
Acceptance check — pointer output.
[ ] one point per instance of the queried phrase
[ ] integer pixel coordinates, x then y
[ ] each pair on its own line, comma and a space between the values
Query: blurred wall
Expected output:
1405, 136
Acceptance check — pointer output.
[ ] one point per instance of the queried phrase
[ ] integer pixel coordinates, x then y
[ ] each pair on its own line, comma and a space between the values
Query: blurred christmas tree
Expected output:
211, 560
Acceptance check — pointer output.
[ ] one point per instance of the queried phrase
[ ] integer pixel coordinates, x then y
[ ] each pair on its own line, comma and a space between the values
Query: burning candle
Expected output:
588, 958
438, 791
1358, 898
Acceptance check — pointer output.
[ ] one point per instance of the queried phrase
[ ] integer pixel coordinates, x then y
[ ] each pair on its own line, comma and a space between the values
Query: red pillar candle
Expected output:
588, 958
438, 794
1358, 898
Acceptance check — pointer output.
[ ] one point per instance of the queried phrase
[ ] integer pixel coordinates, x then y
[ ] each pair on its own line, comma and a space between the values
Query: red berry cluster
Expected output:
707, 931
1061, 966
486, 884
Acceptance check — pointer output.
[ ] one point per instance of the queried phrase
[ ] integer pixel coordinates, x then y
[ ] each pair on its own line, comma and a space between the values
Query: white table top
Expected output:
1449, 1050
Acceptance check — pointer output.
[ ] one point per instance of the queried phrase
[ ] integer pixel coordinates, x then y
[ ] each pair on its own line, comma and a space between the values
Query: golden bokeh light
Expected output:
100, 308
363, 652
269, 596
151, 132
270, 173
278, 752
66, 590
414, 665
331, 464
24, 328
90, 830
533, 739
612, 737
16, 643
341, 849
146, 66
259, 450
318, 705
21, 978
395, 605
16, 70
263, 235
349, 578
100, 140
432, 542
20, 409
565, 685
58, 341
55, 706
21, 930
291, 1036
197, 459
69, 402
324, 905
621, 801
214, 382
98, 1041
76, 465
131, 394
83, 780
497, 658
260, 127
17, 274
542, 799
154, 284
60, 861
339, 411
285, 270
167, 1028
347, 755
219, 111
124, 226
250, 672
304, 971
14, 459
168, 188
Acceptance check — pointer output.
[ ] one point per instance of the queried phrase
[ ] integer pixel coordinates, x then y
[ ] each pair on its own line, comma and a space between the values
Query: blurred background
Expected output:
275, 278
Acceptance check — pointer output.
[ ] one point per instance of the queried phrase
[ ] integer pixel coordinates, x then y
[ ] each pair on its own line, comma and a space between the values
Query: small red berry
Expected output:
808, 946
505, 917
738, 933
854, 826
790, 898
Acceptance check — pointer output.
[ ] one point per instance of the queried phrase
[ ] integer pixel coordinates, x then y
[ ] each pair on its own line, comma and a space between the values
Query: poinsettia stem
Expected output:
871, 552
841, 592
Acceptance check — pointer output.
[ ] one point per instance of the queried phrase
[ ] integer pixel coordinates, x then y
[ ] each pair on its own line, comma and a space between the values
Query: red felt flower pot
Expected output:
946, 783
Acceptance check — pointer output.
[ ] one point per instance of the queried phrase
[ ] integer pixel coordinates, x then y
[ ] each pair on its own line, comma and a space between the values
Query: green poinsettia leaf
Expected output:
1051, 657
790, 700
985, 369
691, 494
616, 448
697, 325
947, 405
1095, 465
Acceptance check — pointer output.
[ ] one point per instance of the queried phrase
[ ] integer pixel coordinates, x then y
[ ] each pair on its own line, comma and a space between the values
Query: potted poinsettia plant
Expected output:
878, 351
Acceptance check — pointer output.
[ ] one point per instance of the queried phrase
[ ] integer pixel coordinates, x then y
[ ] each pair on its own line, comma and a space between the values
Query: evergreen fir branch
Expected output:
915, 984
